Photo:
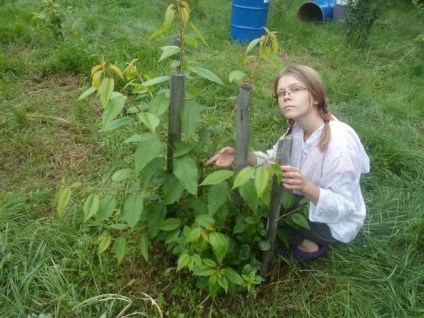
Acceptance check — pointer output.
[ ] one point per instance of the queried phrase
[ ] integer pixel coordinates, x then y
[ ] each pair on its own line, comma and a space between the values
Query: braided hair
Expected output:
313, 81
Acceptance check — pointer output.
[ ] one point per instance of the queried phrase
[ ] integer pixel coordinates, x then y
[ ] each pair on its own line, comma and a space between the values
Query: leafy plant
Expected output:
266, 45
360, 18
53, 16
146, 203
179, 13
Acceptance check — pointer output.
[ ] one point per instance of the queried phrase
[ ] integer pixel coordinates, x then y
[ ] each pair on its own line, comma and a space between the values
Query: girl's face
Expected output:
294, 99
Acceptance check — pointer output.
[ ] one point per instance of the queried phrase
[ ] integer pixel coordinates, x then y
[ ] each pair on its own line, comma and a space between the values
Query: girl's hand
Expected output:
223, 159
293, 179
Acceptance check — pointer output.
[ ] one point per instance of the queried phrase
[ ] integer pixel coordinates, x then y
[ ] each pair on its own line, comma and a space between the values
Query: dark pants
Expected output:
318, 232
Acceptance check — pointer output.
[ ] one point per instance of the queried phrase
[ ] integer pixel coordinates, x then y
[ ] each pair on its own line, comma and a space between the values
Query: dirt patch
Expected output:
58, 139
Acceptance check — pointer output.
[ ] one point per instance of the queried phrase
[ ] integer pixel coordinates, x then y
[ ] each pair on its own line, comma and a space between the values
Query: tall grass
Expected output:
49, 266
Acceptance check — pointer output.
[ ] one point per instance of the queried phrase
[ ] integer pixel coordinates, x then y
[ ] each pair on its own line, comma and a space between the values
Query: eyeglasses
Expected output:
293, 90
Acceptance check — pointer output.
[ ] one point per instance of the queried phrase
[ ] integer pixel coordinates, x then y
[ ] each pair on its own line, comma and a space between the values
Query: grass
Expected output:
49, 266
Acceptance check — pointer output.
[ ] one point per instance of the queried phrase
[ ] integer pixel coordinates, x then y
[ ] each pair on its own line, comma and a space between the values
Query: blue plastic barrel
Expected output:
316, 11
248, 19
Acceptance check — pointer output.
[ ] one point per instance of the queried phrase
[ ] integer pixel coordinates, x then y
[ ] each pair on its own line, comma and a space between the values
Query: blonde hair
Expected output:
316, 88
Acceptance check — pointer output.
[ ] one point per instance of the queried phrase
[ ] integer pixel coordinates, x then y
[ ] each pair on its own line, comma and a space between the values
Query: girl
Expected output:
325, 164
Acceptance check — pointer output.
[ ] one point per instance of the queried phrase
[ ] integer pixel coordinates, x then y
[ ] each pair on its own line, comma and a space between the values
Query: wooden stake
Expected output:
283, 152
242, 135
176, 102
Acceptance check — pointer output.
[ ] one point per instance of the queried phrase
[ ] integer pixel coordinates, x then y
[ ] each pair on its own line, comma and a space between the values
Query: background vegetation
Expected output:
49, 266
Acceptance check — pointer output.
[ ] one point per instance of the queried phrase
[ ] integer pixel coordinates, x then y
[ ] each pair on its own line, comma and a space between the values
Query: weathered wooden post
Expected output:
283, 152
242, 134
176, 102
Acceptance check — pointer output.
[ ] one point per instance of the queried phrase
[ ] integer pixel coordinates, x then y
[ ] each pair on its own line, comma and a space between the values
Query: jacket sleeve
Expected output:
340, 186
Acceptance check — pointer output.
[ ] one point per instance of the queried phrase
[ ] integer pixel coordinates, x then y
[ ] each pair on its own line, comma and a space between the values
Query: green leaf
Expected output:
300, 220
169, 18
120, 248
106, 207
203, 270
209, 262
113, 109
217, 196
243, 176
264, 52
156, 80
117, 123
144, 246
191, 41
252, 44
155, 216
202, 72
190, 117
236, 75
63, 201
158, 32
170, 224
147, 151
288, 200
222, 281
217, 177
87, 93
106, 90
197, 204
248, 193
159, 104
121, 175
185, 170
204, 135
104, 241
194, 235
264, 245
150, 171
220, 245
182, 148
197, 260
276, 171
261, 180
150, 120
172, 190
172, 236
133, 209
213, 285
183, 261
233, 276
198, 34
240, 225
251, 220
118, 226
304, 201
205, 220
169, 51
134, 138
91, 206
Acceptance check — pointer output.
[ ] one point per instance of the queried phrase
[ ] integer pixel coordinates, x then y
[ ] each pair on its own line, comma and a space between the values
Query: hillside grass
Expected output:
49, 266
